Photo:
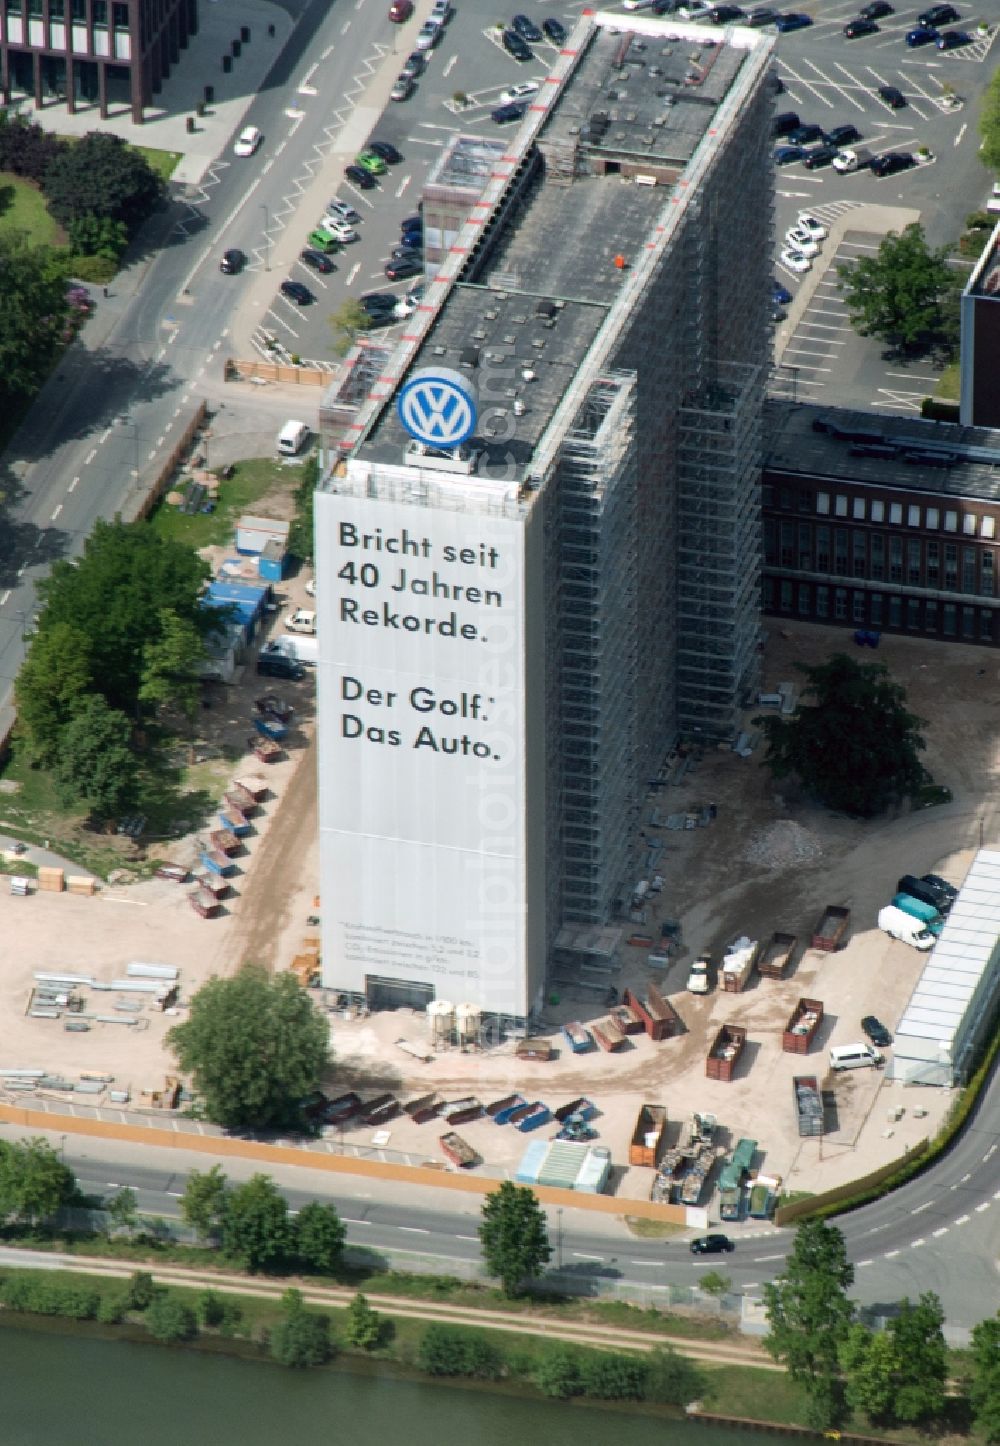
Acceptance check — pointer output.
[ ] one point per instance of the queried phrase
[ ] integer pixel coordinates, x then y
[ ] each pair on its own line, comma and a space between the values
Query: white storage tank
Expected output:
440, 1020
468, 1018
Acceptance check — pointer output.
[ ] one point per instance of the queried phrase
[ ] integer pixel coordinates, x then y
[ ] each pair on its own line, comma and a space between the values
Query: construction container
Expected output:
800, 1031
808, 1104
659, 1018
81, 884
777, 955
51, 881
737, 964
647, 1137
727, 1046
608, 1034
829, 932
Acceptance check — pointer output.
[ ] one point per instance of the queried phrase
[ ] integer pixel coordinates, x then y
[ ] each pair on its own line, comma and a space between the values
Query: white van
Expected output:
855, 1056
292, 438
898, 924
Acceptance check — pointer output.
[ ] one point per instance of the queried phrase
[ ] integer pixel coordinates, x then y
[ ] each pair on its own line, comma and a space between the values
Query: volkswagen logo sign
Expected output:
437, 407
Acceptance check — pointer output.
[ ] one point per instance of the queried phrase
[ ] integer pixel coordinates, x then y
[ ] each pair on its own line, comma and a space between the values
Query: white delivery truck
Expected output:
292, 438
291, 645
898, 924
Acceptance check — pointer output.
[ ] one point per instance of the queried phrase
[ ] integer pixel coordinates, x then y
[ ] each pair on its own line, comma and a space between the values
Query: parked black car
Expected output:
361, 178
297, 292
938, 15
233, 262
785, 123
876, 10
515, 46
948, 890
555, 30
854, 29
892, 162
388, 152
527, 29
876, 1031
506, 113
893, 96
842, 136
821, 156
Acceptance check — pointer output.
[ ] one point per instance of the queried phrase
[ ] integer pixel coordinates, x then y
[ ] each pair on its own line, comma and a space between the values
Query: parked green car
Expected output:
323, 241
370, 162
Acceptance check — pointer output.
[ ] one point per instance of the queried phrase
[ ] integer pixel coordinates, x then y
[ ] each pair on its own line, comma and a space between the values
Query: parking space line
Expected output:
839, 88
808, 84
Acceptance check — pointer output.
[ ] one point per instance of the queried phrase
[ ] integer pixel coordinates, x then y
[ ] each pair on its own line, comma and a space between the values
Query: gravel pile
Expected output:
782, 844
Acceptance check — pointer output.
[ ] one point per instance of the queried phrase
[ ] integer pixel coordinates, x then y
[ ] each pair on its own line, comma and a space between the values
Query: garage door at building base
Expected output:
396, 993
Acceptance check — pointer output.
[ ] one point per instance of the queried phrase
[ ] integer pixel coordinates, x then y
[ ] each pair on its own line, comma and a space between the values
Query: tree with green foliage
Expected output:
455, 1351
868, 1360
142, 1290
557, 1373
302, 1337
348, 322
170, 665
33, 312
255, 1047
123, 1209
112, 1308
25, 148
256, 1229
904, 294
34, 1182
118, 593
101, 175
854, 746
91, 235
319, 1238
809, 1316
673, 1379
984, 1388
514, 1236
95, 765
989, 124
921, 1373
203, 1201
714, 1283
169, 1319
363, 1326
300, 533
54, 677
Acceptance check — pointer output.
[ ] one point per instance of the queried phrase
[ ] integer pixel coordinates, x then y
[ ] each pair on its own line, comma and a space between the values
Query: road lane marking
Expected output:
90, 457
917, 1208
861, 1263
991, 1151
580, 1256
72, 485
961, 133
909, 377
473, 1238
4, 598
56, 513
891, 1254
402, 186
915, 1243
760, 1259
942, 1231
966, 1176
414, 1230
352, 273
310, 72
345, 27
448, 68
105, 437
984, 1206
325, 54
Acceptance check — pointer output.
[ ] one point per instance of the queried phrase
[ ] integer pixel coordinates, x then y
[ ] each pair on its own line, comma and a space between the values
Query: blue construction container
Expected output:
273, 562
540, 1115
531, 1162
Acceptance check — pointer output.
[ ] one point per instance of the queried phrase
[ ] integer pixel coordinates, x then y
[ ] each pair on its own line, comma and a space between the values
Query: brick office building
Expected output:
95, 52
878, 522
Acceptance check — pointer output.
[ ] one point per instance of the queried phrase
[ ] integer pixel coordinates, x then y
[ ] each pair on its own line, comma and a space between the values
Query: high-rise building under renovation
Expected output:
538, 557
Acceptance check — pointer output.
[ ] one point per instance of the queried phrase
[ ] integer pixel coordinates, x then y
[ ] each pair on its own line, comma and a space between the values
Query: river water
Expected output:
62, 1389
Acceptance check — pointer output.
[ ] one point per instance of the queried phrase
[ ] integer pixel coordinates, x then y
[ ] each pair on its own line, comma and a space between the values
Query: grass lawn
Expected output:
164, 163
947, 389
250, 481
22, 208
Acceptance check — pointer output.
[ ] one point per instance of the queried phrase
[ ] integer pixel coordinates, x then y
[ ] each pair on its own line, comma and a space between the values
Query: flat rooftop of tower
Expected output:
571, 221
906, 453
521, 349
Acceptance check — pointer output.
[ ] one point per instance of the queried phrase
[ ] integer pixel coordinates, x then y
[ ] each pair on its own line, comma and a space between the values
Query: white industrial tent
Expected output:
956, 995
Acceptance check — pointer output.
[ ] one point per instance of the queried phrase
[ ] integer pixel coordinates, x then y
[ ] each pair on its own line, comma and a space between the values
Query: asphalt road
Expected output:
940, 1233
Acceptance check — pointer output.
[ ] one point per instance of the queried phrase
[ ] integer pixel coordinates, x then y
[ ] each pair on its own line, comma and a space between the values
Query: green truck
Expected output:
731, 1179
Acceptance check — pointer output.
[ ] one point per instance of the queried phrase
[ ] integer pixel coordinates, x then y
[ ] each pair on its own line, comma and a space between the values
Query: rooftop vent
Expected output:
469, 356
528, 374
545, 308
439, 351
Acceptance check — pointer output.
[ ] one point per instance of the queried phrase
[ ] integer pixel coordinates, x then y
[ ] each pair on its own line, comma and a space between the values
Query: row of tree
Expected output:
120, 635
255, 1229
898, 1376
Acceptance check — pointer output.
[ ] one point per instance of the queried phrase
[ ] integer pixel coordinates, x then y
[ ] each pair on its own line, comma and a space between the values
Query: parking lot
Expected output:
467, 61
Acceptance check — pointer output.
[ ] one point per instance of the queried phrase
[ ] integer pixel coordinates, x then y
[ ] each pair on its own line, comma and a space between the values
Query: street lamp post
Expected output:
267, 237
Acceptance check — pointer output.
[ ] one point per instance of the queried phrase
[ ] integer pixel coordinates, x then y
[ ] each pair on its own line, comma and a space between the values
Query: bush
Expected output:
363, 1328
979, 221
302, 1338
97, 269
50, 1297
673, 1379
558, 1373
613, 1377
142, 1290
112, 1308
169, 1319
454, 1351
211, 1309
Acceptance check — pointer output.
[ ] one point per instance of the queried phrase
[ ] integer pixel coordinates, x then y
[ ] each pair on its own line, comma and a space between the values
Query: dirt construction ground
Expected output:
769, 861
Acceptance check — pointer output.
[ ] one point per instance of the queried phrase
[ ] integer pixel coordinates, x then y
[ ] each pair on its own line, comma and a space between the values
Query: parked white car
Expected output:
695, 9
339, 229
311, 587
302, 620
247, 141
800, 240
698, 977
518, 92
812, 225
794, 260
845, 162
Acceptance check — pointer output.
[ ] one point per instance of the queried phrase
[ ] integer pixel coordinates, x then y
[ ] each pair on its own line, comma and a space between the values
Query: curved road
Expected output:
940, 1233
